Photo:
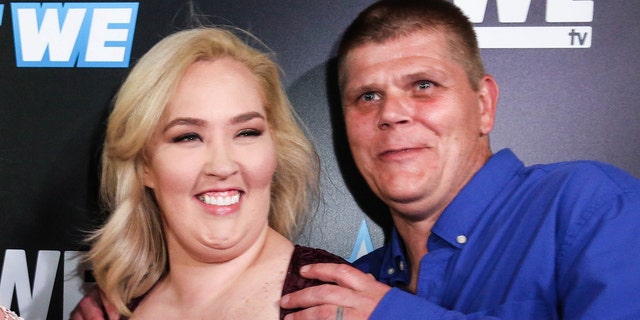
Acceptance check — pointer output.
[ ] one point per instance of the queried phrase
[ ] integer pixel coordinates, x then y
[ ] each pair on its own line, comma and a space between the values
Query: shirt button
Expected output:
391, 271
461, 239
401, 265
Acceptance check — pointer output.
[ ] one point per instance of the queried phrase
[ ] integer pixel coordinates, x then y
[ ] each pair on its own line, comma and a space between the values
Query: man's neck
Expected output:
414, 235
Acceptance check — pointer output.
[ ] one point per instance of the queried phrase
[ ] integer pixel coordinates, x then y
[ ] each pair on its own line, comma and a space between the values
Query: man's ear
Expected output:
488, 92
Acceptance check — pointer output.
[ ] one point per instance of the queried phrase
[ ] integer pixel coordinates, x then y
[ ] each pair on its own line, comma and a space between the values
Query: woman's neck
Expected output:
256, 276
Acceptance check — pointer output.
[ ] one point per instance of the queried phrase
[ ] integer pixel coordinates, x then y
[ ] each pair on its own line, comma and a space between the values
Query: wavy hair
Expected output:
128, 253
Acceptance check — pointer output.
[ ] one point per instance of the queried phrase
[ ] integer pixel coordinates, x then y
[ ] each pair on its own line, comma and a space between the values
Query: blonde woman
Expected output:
208, 177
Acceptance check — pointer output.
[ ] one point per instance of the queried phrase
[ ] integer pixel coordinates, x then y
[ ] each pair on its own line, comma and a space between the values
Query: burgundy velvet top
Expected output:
294, 281
302, 256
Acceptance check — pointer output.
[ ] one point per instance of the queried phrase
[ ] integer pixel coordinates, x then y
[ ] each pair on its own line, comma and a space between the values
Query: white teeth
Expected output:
220, 201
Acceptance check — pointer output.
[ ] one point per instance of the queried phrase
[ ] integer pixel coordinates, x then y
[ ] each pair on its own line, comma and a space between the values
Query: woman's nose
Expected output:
220, 163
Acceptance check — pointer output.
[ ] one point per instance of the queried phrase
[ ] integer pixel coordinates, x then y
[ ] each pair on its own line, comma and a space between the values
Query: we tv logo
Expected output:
564, 24
85, 35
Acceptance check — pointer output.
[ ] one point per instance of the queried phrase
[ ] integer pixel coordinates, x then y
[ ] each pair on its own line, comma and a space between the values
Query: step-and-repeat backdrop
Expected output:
568, 70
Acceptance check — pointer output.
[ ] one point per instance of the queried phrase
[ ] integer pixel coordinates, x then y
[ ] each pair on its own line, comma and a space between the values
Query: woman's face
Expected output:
210, 163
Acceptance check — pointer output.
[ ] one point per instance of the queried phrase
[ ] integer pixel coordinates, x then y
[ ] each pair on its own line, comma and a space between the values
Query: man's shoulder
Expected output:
588, 173
582, 190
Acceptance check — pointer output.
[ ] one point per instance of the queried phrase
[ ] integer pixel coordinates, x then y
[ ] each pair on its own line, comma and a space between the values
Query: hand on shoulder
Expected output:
5, 313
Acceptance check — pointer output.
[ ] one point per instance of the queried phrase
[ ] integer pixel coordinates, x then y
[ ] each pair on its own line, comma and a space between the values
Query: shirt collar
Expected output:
459, 217
394, 269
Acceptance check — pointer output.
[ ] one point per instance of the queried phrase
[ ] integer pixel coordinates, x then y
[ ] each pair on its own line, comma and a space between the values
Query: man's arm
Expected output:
599, 259
361, 297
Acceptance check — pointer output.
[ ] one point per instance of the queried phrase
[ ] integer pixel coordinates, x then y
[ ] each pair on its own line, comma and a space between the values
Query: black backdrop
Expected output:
558, 102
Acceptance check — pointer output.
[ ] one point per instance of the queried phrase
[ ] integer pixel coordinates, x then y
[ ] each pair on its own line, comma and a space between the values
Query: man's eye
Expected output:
188, 137
370, 96
424, 84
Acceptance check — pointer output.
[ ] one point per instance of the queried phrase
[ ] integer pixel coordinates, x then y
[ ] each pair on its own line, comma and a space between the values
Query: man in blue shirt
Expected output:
476, 235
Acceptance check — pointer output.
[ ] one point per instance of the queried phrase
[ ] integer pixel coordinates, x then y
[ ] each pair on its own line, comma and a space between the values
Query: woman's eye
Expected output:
250, 133
370, 96
188, 137
424, 84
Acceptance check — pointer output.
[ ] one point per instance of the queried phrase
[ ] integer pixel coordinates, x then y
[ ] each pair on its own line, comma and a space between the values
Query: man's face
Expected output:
416, 128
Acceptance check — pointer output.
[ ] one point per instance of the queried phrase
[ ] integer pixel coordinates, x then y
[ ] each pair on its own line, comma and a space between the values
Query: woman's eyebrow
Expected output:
244, 117
184, 122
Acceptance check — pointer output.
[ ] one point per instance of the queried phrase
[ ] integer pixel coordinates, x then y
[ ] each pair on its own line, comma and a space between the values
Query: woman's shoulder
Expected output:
306, 255
303, 256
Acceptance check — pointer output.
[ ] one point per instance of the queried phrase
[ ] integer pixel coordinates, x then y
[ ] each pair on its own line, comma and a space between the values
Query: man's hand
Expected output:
354, 297
94, 306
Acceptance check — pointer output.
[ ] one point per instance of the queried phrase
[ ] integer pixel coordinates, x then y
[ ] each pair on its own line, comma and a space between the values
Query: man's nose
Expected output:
394, 111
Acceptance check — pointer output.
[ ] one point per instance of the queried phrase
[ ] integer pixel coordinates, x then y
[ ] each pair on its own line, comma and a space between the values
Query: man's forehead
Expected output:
430, 43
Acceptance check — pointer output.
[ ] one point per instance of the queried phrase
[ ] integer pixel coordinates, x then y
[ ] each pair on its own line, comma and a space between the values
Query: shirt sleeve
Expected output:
599, 262
399, 304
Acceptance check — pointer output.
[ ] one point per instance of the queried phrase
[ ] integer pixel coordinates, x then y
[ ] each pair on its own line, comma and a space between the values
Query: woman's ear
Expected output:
148, 178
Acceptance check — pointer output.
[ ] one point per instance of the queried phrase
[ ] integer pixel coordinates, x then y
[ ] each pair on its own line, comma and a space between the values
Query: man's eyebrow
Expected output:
425, 74
184, 122
360, 89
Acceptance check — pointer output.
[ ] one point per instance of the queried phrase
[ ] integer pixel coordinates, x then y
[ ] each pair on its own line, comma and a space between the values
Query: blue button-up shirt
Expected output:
556, 241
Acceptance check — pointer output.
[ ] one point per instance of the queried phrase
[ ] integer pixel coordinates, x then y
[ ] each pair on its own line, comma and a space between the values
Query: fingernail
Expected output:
304, 269
284, 300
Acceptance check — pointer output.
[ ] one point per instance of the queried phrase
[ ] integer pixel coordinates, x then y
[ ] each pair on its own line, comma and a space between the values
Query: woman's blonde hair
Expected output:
128, 253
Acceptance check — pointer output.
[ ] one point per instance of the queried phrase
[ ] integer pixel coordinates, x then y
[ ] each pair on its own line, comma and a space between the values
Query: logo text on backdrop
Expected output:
512, 14
63, 35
